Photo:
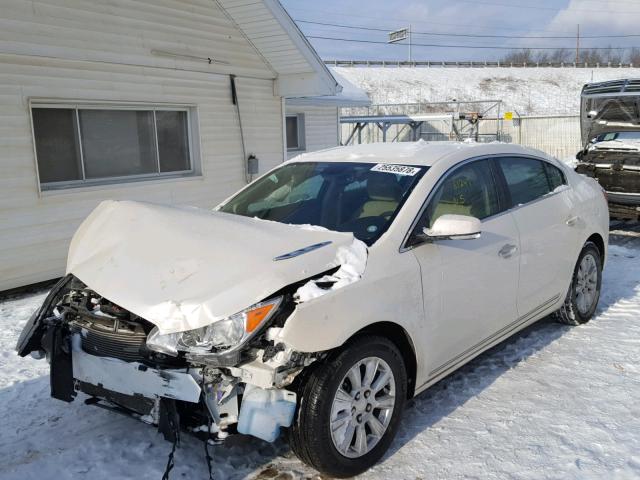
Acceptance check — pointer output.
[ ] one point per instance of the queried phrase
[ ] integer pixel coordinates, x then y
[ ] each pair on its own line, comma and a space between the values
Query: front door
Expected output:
469, 286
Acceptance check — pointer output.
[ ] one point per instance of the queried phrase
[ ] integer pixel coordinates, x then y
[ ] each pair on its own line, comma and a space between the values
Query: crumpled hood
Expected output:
183, 268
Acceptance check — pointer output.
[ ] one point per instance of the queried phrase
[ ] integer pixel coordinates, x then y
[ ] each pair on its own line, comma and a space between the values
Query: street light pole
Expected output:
578, 45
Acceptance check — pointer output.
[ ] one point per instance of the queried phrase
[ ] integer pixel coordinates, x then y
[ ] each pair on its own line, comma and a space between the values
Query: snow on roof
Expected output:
409, 153
350, 96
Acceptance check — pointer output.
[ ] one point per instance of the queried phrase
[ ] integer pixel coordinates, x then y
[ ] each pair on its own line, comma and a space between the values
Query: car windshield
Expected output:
361, 198
619, 136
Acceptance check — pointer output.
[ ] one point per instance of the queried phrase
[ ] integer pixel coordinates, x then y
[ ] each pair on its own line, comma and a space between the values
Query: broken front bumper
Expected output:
621, 183
133, 378
108, 361
154, 393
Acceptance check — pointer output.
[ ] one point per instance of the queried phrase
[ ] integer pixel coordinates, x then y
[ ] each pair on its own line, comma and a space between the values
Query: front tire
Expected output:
584, 292
350, 408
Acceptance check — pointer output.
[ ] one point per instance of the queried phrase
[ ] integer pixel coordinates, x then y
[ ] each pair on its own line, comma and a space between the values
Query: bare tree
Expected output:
559, 55
601, 55
590, 55
634, 56
519, 56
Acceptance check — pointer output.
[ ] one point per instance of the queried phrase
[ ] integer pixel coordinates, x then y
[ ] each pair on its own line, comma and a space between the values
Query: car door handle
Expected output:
572, 221
507, 250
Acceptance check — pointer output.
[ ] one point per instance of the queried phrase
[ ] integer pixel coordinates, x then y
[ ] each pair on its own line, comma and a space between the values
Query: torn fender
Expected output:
182, 268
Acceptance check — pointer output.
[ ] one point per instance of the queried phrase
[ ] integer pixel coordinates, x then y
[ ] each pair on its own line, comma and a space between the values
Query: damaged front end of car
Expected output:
233, 375
175, 315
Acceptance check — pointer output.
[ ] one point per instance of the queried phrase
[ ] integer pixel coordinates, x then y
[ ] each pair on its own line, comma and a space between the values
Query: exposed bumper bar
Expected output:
625, 198
133, 378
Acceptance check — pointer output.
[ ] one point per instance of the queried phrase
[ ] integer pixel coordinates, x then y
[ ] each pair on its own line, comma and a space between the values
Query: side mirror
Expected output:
453, 227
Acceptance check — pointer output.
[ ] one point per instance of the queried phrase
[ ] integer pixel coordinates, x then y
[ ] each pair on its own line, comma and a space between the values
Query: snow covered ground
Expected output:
528, 91
552, 402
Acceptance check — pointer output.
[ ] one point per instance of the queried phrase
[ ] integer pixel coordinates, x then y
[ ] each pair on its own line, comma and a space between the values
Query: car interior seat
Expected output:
383, 197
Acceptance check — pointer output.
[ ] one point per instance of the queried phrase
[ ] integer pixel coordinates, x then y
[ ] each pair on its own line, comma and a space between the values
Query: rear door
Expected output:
545, 216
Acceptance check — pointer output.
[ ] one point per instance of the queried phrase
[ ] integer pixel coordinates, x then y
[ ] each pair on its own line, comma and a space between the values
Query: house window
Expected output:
295, 132
82, 145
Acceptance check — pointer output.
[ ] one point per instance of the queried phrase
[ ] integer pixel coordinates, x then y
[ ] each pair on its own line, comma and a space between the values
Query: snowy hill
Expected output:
528, 91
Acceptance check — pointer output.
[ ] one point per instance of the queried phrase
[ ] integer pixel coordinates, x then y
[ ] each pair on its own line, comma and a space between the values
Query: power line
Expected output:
468, 35
435, 45
414, 21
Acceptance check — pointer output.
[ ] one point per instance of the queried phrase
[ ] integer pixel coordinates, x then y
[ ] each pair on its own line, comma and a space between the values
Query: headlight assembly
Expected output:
226, 334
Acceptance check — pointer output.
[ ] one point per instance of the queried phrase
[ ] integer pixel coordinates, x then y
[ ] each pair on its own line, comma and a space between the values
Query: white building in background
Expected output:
313, 123
136, 100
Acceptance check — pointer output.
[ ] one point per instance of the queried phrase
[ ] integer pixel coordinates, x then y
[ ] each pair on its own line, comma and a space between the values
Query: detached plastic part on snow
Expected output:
263, 412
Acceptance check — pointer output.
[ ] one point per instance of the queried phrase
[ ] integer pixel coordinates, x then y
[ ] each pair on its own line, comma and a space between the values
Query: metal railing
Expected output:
445, 64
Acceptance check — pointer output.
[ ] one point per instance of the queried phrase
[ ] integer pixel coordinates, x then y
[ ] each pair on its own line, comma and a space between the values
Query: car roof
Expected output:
418, 153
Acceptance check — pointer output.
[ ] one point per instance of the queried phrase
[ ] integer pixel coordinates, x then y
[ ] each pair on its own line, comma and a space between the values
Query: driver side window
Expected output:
469, 190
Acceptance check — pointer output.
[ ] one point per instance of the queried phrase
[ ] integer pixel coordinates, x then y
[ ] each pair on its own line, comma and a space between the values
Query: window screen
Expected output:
76, 146
173, 141
116, 143
292, 133
469, 190
526, 179
295, 132
57, 144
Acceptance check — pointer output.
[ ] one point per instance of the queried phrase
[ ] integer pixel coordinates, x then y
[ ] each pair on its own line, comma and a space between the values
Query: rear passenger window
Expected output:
555, 176
469, 190
526, 179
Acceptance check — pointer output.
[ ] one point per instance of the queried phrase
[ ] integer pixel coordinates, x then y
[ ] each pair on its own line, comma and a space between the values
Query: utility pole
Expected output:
578, 45
410, 56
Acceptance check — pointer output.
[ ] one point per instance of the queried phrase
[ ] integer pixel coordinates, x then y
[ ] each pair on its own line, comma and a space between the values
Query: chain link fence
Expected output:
556, 135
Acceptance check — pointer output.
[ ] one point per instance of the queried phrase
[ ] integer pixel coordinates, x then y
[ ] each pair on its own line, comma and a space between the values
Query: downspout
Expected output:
234, 99
283, 109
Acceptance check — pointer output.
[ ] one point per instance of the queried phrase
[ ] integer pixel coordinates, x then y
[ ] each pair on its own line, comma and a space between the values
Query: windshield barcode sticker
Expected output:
395, 169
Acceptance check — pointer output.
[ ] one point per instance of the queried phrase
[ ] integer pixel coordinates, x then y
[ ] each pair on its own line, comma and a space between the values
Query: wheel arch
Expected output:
400, 337
598, 241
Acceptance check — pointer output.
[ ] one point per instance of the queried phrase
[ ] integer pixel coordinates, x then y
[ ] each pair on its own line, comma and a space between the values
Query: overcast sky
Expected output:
486, 17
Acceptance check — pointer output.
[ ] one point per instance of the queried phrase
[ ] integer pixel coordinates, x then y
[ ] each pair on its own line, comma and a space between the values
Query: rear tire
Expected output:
348, 416
582, 299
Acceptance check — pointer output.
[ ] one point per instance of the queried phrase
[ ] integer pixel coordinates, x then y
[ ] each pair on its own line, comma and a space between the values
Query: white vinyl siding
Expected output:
89, 38
320, 127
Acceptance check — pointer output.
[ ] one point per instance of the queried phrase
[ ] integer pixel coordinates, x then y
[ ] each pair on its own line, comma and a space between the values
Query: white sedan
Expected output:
323, 295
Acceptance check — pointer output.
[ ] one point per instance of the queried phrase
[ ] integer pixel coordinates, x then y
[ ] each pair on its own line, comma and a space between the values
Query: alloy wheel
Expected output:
362, 407
586, 284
